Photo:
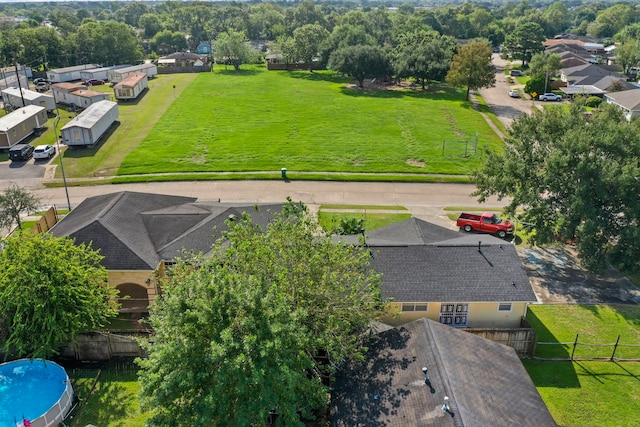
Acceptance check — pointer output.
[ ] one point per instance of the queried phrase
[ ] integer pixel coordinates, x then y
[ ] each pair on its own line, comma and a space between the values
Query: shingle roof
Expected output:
629, 99
484, 380
135, 231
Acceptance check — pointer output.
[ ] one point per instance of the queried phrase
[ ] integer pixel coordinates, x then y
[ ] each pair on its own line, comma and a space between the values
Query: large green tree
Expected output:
14, 202
525, 41
546, 64
96, 41
238, 332
307, 40
472, 67
573, 178
231, 48
360, 62
50, 291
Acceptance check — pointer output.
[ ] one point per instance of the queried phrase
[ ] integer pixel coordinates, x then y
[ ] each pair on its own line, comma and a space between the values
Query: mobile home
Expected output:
68, 74
88, 127
84, 98
11, 80
62, 91
131, 86
119, 74
21, 123
12, 96
100, 73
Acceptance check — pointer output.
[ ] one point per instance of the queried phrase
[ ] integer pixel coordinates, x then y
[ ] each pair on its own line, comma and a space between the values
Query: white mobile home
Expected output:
68, 74
62, 91
119, 74
12, 96
21, 123
131, 86
83, 98
90, 125
11, 80
100, 73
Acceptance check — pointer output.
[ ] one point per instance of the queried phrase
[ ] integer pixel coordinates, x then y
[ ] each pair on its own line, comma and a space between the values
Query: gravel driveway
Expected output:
557, 278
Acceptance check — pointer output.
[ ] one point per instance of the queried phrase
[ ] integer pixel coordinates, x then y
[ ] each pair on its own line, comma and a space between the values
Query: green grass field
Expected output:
260, 121
588, 393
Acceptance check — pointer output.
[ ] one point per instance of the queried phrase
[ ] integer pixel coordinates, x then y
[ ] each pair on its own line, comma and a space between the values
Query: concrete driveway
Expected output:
497, 98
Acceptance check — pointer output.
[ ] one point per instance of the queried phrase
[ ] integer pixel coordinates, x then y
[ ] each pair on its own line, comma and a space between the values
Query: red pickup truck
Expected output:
486, 223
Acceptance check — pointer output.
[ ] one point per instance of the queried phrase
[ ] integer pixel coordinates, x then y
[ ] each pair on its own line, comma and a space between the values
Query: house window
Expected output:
411, 306
504, 306
454, 314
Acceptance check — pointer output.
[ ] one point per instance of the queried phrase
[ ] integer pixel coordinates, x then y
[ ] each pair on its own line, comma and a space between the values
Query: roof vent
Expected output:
480, 246
231, 217
427, 380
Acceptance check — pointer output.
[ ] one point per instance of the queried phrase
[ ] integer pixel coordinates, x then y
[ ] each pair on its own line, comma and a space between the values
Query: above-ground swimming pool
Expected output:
38, 391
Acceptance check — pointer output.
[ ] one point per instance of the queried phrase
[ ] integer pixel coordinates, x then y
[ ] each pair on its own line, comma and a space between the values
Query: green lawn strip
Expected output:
594, 324
367, 207
372, 221
113, 402
261, 176
484, 108
588, 393
135, 121
256, 120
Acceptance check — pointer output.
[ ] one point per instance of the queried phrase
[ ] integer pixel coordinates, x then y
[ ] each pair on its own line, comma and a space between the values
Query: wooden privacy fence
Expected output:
522, 340
609, 352
106, 345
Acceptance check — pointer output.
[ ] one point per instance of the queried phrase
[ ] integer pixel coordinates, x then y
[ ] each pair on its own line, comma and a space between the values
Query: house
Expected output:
627, 100
68, 74
592, 75
482, 382
14, 97
463, 280
131, 86
88, 127
140, 232
20, 124
99, 73
118, 74
183, 59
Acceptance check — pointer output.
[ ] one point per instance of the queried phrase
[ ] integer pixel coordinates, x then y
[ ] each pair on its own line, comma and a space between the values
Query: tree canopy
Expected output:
239, 332
525, 41
231, 48
360, 62
573, 178
15, 201
50, 291
472, 67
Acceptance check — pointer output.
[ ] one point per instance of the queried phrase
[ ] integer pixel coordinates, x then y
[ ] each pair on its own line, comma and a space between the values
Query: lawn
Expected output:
374, 216
588, 393
257, 120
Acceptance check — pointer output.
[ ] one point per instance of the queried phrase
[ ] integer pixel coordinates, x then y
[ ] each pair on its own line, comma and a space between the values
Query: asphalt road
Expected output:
425, 201
497, 98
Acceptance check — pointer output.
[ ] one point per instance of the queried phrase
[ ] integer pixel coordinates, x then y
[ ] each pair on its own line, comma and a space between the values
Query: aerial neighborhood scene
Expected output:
319, 213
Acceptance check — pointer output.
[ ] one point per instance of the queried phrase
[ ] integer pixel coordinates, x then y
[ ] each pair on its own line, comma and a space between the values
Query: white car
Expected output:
44, 152
550, 97
514, 93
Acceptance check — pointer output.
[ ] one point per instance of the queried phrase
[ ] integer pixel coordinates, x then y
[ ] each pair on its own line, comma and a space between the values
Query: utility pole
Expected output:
15, 64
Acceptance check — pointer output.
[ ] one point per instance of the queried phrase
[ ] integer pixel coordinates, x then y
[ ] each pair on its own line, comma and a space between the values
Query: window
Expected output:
412, 306
504, 306
454, 314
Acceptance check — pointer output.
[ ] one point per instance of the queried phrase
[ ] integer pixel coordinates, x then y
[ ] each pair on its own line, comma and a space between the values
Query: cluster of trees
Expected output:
50, 288
573, 178
254, 330
88, 32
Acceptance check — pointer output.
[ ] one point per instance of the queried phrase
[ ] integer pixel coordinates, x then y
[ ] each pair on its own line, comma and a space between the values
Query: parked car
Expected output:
514, 93
20, 152
42, 87
486, 223
39, 80
550, 97
44, 152
516, 73
93, 82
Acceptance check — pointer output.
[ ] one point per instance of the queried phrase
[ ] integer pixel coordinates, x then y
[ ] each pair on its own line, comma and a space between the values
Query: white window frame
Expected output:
410, 307
501, 310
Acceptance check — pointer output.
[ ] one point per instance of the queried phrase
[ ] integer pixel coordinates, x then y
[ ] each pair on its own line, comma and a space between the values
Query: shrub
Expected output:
593, 102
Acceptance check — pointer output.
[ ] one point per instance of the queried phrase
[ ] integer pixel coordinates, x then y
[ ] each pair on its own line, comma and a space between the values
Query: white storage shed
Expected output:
11, 96
68, 74
21, 123
88, 127
119, 74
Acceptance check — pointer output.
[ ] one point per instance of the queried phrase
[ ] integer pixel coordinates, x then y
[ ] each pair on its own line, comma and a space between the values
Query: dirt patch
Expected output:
556, 277
417, 163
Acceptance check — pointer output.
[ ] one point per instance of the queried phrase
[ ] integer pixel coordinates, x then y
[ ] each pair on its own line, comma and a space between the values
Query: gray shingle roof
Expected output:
484, 380
135, 231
